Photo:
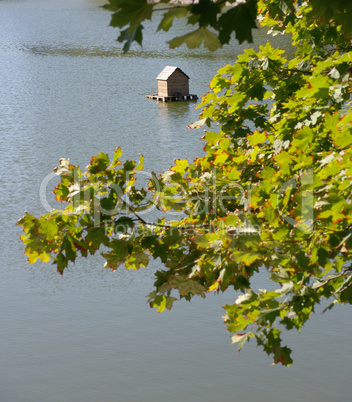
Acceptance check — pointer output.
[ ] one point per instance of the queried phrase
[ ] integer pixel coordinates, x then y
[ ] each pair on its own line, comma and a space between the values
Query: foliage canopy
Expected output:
272, 194
216, 20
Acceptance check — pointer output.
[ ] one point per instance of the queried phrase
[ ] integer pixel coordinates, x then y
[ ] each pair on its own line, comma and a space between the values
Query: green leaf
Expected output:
96, 237
345, 291
196, 38
128, 37
162, 302
168, 18
198, 124
280, 275
257, 138
63, 168
242, 339
303, 138
132, 13
268, 315
180, 166
137, 260
187, 286
283, 355
113, 260
117, 156
49, 228
99, 163
246, 257
342, 139
206, 13
248, 297
287, 288
240, 19
61, 262
66, 246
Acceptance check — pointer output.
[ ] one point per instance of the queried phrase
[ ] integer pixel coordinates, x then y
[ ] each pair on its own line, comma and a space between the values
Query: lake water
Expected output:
66, 90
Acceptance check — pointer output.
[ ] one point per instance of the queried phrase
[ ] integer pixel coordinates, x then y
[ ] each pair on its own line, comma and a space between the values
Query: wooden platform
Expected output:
172, 98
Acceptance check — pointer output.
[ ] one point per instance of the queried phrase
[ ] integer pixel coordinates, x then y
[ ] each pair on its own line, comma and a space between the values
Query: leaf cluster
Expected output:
214, 21
272, 193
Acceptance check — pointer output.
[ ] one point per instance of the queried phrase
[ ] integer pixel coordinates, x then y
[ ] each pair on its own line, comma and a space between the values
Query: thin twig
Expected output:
332, 278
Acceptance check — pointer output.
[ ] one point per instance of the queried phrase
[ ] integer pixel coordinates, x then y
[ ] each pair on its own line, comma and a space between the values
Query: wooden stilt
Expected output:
172, 98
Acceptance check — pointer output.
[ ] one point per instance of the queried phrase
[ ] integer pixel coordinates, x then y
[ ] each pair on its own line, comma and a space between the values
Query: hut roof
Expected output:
167, 72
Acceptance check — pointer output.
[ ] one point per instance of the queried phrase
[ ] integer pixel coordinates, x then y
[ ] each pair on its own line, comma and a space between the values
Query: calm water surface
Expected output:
67, 91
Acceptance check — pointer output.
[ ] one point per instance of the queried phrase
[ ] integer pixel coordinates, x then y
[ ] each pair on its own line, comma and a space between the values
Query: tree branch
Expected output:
344, 272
